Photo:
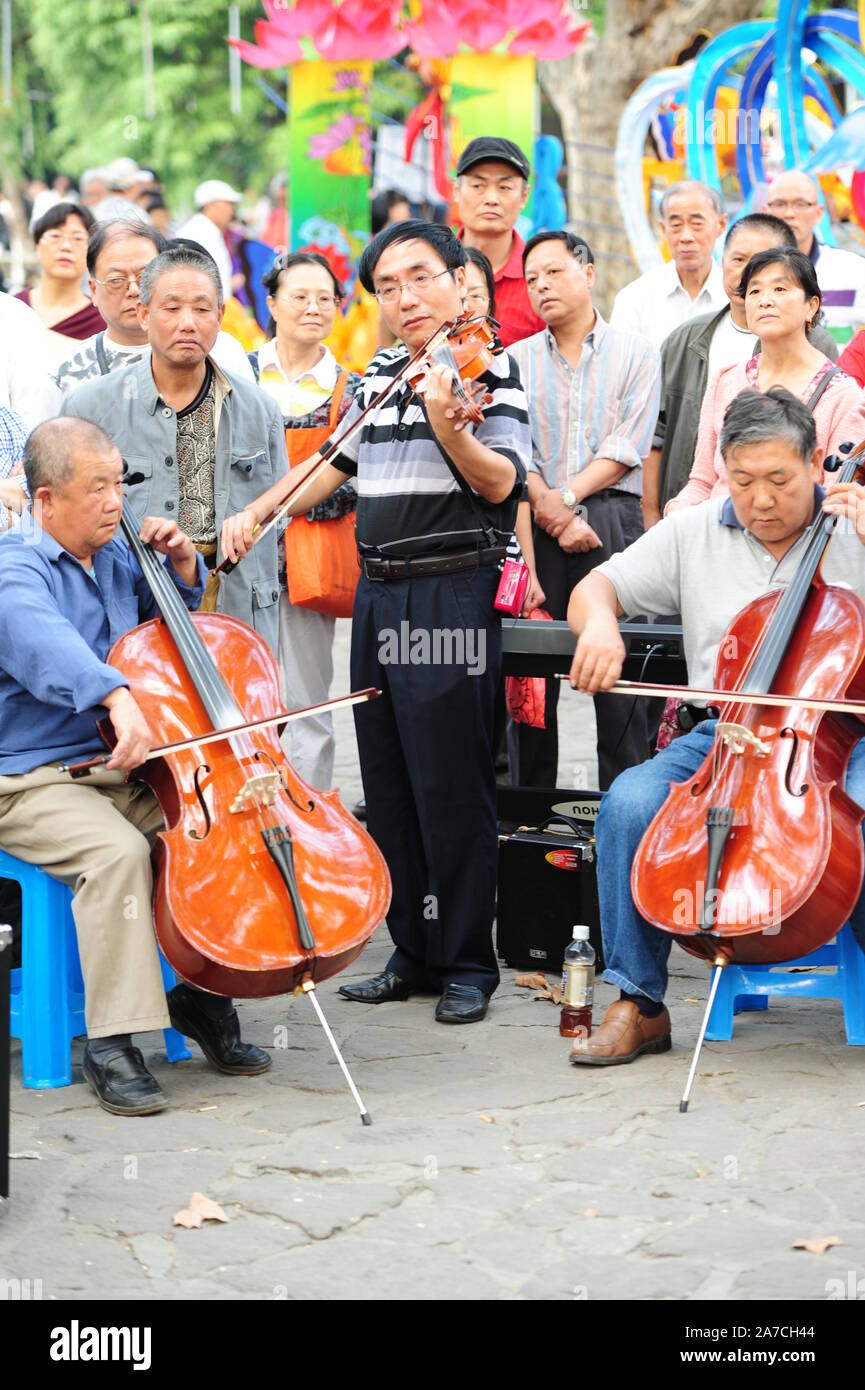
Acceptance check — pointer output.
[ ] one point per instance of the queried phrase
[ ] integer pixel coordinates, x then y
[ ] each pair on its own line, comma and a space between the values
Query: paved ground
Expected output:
493, 1168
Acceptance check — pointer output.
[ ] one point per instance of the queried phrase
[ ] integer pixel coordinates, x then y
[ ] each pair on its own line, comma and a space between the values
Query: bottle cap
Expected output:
580, 934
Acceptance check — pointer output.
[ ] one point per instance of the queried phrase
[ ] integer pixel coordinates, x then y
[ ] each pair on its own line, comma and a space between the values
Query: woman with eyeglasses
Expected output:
61, 235
314, 393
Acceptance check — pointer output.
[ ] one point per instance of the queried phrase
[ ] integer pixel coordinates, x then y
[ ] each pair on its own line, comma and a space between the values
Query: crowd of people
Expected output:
651, 464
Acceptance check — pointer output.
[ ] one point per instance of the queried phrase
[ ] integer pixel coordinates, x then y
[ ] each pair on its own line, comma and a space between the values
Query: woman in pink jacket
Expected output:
782, 300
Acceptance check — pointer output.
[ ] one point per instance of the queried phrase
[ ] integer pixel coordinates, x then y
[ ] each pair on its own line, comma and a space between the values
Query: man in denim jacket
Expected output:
199, 445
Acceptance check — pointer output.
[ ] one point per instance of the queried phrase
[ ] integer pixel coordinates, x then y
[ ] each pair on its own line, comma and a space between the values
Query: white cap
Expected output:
215, 191
580, 934
124, 172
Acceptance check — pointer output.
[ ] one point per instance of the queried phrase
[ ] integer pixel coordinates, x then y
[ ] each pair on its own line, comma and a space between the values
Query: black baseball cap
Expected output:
492, 147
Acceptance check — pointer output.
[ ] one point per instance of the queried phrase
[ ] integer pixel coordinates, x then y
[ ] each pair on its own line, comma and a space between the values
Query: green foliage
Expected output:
90, 56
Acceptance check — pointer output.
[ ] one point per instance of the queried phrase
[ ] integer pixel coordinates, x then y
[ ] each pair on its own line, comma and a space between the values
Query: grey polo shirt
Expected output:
702, 563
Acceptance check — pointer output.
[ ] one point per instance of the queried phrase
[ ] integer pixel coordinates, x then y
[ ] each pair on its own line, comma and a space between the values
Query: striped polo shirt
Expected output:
409, 502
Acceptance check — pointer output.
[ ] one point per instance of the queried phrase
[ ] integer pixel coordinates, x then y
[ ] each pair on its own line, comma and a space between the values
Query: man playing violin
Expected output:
707, 563
70, 588
436, 505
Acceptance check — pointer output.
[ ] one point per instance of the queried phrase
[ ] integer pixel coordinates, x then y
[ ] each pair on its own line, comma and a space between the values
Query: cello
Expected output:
758, 858
263, 885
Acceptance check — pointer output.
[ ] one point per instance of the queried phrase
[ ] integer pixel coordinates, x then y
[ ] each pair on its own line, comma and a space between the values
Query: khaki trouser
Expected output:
211, 588
94, 835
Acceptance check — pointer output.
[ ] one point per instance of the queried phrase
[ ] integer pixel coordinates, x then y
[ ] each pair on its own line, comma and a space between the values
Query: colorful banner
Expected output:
329, 159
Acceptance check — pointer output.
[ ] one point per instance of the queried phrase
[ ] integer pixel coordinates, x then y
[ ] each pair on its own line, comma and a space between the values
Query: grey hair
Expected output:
753, 417
687, 186
49, 454
104, 232
179, 258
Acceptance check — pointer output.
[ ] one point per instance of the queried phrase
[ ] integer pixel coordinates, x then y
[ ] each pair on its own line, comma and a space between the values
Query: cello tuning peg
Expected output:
847, 447
832, 462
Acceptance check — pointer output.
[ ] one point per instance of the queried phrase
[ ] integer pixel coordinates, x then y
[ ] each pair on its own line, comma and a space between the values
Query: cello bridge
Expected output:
260, 790
737, 738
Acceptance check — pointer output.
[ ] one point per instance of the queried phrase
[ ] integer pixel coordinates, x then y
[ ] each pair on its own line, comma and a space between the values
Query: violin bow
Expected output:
728, 697
355, 697
434, 341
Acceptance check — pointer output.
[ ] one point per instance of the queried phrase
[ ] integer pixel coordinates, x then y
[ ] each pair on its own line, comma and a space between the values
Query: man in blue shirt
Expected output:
69, 590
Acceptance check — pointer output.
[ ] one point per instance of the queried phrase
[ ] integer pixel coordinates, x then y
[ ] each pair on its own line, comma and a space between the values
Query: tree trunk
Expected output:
590, 90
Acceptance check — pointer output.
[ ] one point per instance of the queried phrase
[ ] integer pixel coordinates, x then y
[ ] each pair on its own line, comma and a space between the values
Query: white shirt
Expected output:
83, 365
657, 302
26, 358
300, 394
200, 228
841, 275
730, 345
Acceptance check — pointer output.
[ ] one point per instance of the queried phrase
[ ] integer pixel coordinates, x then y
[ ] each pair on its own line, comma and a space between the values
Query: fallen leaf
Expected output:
207, 1107
536, 980
543, 994
590, 1211
557, 994
200, 1209
818, 1245
488, 1119
702, 1172
690, 1001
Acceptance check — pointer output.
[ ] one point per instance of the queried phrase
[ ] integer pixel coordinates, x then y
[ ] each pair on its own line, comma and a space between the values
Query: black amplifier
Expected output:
547, 880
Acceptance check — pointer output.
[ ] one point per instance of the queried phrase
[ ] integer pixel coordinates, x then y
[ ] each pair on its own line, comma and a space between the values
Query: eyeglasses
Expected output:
300, 300
116, 283
418, 283
477, 297
797, 205
57, 238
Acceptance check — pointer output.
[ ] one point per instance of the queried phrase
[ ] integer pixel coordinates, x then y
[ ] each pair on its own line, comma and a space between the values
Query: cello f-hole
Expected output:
202, 770
794, 752
310, 806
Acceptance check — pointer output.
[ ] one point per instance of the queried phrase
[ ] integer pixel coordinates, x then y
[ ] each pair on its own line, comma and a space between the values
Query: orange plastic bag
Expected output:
321, 565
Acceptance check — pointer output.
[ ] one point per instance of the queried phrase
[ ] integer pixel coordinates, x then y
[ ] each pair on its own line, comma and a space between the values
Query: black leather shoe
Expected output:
218, 1038
462, 1004
378, 990
122, 1082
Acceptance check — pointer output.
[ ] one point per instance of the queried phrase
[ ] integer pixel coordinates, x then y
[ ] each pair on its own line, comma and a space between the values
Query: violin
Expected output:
263, 884
468, 350
467, 345
758, 858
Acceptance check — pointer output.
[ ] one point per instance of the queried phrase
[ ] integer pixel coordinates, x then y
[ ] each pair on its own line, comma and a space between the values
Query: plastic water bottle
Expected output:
578, 986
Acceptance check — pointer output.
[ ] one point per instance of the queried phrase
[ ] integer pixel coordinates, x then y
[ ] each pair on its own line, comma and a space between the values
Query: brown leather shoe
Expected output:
622, 1036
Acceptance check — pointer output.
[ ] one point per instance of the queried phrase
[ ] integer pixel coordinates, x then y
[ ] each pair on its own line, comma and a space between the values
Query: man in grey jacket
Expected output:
697, 349
200, 445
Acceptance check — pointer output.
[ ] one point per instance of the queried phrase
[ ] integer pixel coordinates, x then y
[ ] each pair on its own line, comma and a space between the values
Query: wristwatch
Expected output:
569, 497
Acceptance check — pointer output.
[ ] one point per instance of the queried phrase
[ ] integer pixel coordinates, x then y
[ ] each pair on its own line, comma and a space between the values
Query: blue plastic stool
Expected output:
746, 987
47, 1007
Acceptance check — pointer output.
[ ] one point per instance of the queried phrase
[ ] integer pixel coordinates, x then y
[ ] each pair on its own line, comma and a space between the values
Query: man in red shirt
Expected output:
491, 191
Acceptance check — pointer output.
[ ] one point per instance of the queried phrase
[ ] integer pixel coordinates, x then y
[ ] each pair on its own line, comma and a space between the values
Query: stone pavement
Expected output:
493, 1169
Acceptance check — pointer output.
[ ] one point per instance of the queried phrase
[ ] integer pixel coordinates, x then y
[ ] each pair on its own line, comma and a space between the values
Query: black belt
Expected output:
449, 562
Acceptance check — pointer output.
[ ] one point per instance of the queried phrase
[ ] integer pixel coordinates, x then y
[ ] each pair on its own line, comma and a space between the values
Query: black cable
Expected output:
656, 647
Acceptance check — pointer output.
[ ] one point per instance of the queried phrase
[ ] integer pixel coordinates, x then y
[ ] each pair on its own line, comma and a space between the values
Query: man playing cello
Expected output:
70, 589
707, 563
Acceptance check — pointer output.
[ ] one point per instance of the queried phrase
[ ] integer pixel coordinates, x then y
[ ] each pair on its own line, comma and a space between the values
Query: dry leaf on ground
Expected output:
488, 1119
200, 1209
534, 980
818, 1245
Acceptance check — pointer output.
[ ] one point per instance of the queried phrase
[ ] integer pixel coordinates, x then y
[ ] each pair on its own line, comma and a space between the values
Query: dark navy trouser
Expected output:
426, 757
